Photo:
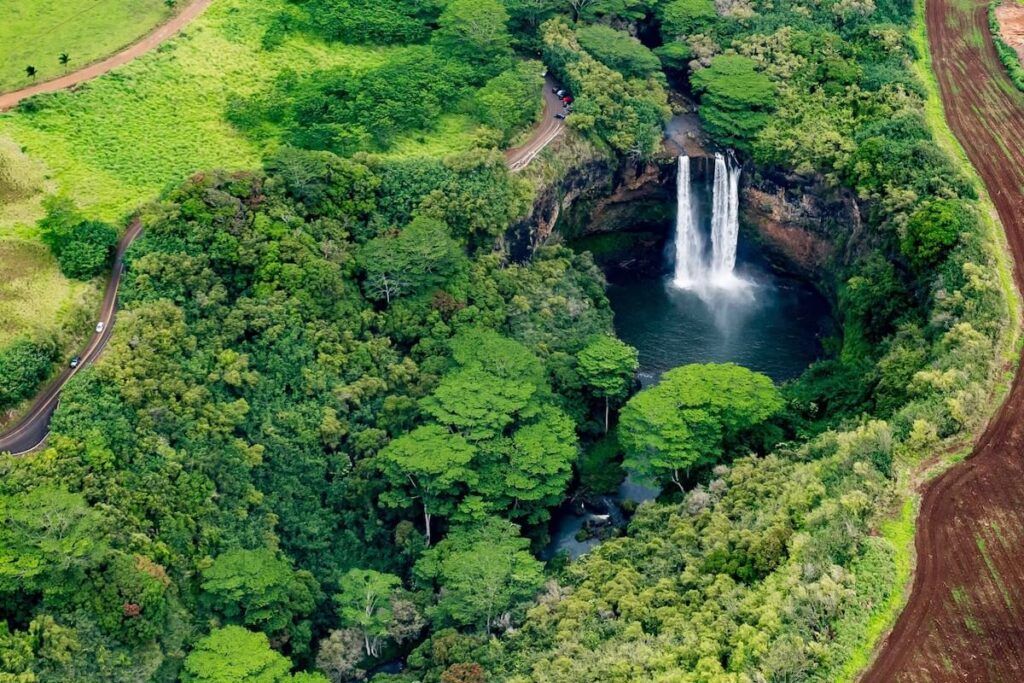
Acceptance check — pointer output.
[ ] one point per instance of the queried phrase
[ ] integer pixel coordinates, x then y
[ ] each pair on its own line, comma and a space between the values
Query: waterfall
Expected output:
725, 223
692, 269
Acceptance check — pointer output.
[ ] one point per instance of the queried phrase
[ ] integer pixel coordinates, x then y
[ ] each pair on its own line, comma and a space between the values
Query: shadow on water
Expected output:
771, 324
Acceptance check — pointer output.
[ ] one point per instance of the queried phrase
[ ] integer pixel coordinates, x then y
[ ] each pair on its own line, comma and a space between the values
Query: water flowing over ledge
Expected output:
694, 268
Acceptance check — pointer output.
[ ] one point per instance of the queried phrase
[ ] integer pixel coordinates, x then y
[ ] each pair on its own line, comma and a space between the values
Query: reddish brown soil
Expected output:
1011, 25
136, 49
965, 617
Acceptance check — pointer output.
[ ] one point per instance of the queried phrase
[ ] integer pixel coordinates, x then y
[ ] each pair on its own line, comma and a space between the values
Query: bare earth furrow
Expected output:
980, 636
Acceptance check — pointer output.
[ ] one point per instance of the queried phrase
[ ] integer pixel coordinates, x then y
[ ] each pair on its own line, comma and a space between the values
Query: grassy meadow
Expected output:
121, 139
36, 32
33, 293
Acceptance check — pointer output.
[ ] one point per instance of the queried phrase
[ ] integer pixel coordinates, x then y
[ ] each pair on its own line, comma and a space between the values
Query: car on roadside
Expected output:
559, 116
75, 361
99, 326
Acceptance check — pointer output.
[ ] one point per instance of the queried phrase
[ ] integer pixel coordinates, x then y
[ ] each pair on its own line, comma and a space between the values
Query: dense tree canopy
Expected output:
686, 420
264, 429
735, 99
343, 397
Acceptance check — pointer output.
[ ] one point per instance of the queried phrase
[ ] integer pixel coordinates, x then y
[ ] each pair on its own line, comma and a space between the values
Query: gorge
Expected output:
714, 299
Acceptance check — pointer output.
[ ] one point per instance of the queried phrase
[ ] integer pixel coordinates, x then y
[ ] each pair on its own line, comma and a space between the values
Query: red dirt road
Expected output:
965, 617
136, 49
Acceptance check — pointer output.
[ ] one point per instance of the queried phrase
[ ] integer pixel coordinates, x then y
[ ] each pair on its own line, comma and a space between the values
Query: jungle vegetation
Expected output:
335, 415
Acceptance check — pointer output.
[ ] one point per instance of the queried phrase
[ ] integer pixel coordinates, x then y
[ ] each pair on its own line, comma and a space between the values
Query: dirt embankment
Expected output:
965, 617
1011, 25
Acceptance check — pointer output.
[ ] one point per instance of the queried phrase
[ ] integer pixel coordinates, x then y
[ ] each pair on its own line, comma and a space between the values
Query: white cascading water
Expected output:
725, 224
692, 270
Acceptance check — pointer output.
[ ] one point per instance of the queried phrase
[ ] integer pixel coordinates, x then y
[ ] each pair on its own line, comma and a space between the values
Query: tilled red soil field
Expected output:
965, 618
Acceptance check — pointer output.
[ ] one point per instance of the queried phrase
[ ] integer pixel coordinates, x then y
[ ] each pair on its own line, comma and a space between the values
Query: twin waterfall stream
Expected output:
694, 269
716, 307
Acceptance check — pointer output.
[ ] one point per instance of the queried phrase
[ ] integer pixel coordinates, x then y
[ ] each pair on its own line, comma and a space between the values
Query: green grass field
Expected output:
119, 140
36, 32
33, 293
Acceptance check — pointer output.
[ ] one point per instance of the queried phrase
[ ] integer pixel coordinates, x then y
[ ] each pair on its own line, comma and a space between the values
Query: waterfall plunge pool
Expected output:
768, 323
773, 325
717, 301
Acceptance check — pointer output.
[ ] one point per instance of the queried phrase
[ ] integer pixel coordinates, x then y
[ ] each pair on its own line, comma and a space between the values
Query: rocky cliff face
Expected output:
803, 226
624, 213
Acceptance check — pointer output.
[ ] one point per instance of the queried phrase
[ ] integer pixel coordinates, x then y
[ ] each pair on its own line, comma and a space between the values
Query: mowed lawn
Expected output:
119, 140
36, 32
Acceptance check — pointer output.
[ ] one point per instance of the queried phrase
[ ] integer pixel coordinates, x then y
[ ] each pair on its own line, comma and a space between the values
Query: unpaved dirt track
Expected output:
965, 617
140, 47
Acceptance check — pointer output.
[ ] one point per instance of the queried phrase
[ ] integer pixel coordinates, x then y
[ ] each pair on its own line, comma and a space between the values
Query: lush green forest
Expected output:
335, 415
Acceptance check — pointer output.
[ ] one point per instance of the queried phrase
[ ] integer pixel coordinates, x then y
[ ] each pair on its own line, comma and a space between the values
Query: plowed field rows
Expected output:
965, 617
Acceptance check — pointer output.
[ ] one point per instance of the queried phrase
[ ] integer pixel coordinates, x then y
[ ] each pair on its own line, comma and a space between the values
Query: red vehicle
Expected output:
567, 100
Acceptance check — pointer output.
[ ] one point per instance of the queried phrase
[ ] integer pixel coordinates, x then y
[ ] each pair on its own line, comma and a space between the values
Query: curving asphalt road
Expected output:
30, 432
151, 40
548, 129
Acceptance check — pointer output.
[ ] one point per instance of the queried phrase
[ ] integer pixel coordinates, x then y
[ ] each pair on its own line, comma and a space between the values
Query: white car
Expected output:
99, 326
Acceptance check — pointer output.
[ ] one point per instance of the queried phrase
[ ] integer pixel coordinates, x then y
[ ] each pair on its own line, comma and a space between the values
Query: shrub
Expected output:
684, 17
89, 251
735, 99
618, 50
367, 21
508, 102
23, 365
934, 229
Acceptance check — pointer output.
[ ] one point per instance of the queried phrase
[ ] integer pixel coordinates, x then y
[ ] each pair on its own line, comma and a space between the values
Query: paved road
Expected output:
32, 429
136, 49
549, 128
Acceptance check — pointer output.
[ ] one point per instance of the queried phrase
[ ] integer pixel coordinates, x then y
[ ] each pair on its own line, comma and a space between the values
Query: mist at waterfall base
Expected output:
729, 308
719, 301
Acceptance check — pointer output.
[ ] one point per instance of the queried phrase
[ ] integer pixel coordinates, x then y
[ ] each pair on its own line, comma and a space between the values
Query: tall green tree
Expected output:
480, 572
235, 655
420, 256
608, 367
527, 474
366, 602
49, 540
429, 464
476, 32
684, 420
259, 589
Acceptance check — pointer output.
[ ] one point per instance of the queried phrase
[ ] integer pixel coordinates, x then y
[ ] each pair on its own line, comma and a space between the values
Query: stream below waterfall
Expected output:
768, 323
